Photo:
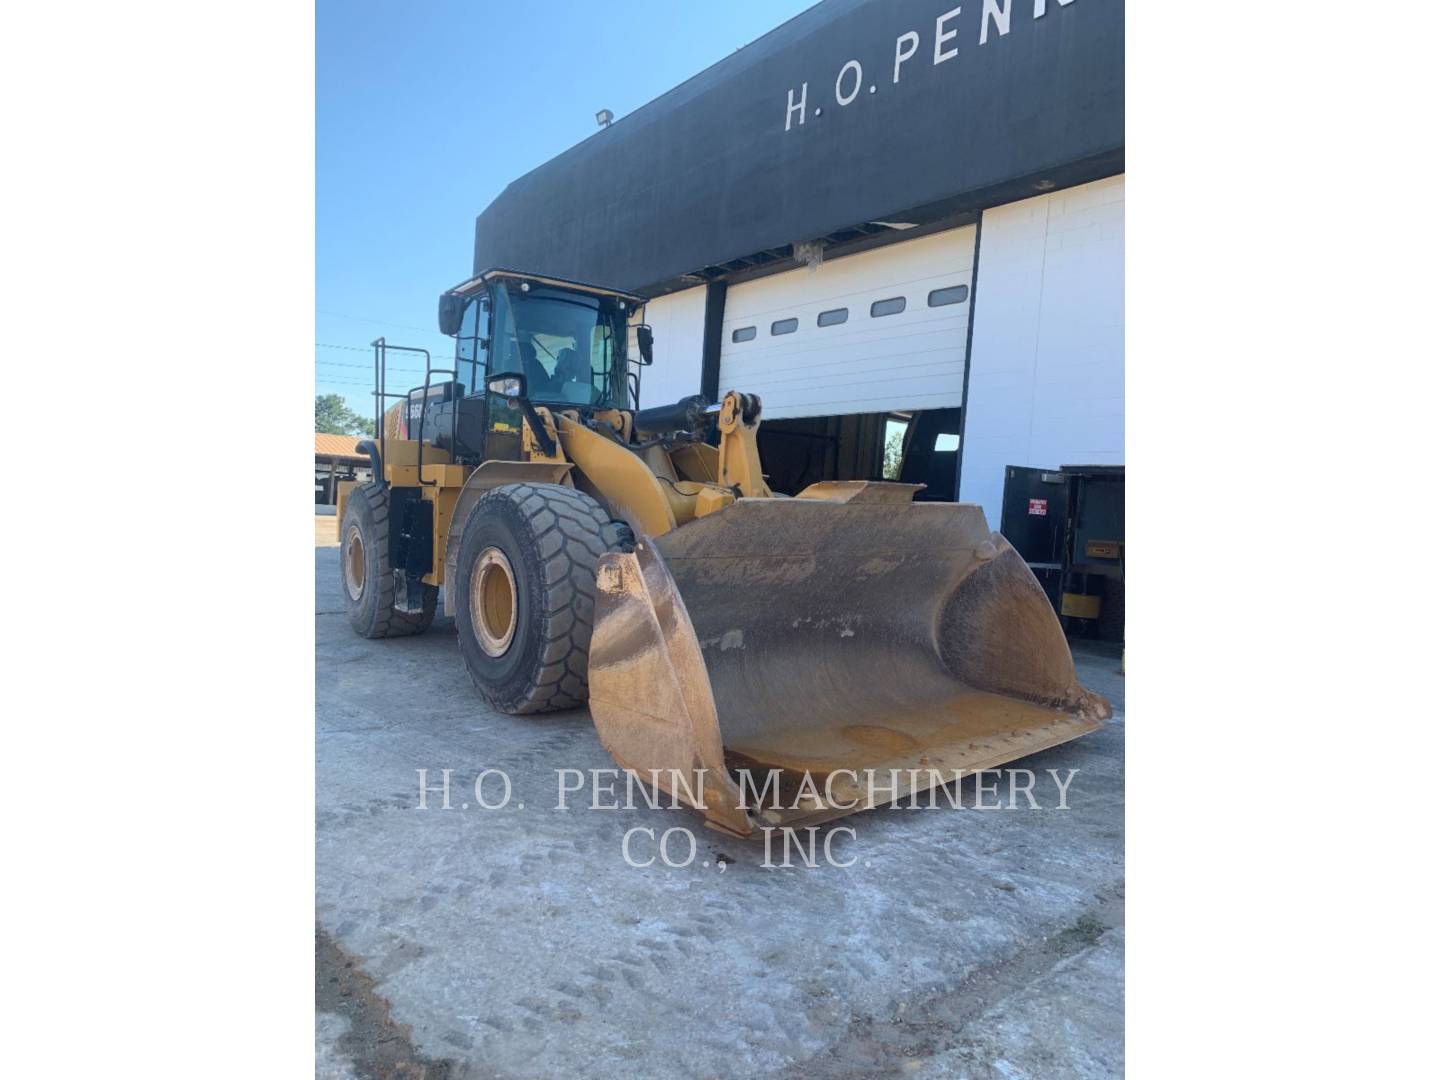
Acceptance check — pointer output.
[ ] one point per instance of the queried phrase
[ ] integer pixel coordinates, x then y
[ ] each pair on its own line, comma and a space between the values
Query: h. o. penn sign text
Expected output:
945, 40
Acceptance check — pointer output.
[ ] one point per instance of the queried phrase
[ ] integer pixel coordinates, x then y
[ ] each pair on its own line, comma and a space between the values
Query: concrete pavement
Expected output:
519, 943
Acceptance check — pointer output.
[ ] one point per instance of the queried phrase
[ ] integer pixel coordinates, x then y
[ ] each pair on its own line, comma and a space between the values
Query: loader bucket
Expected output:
841, 634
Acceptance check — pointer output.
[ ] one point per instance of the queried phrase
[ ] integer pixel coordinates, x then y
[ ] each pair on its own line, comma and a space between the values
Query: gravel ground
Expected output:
518, 942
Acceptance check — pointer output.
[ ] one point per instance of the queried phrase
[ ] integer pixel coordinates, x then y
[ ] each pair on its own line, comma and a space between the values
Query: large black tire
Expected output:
525, 594
366, 583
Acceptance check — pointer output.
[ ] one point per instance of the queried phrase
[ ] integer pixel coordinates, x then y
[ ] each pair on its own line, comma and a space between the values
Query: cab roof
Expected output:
479, 281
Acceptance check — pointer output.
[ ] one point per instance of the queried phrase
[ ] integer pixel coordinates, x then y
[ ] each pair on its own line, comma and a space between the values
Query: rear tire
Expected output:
525, 594
366, 582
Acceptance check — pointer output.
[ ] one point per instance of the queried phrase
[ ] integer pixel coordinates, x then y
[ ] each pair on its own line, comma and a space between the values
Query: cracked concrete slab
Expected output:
519, 943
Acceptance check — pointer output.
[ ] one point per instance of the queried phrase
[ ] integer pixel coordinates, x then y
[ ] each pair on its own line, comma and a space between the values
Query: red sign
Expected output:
1038, 507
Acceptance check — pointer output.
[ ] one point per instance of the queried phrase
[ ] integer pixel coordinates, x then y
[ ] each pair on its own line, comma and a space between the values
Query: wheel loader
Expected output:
731, 642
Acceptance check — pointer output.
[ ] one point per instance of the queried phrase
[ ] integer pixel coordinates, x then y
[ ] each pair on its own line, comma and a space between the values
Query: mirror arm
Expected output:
537, 426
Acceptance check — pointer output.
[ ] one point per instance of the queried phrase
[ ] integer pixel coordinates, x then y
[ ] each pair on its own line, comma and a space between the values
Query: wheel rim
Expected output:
493, 601
354, 563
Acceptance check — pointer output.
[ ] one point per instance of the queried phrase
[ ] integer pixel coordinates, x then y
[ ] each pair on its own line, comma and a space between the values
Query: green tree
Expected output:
894, 449
334, 417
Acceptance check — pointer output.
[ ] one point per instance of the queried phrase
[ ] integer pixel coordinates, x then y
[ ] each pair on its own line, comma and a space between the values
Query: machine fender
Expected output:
489, 475
367, 446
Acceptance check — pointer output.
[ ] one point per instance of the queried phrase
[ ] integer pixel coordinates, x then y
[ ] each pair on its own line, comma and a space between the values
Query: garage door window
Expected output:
955, 294
783, 326
833, 318
893, 306
744, 333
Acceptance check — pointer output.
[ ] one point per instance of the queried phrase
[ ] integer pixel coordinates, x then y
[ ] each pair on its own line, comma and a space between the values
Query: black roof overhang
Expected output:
707, 176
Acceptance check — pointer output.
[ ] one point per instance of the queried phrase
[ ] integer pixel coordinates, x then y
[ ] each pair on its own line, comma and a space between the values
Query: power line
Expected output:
356, 348
366, 367
381, 322
392, 383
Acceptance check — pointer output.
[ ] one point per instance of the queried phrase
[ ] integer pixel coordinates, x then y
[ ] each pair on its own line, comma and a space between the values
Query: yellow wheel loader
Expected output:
827, 652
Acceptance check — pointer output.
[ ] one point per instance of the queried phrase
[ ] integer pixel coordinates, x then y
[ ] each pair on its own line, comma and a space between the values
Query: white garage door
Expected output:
1047, 364
678, 323
879, 331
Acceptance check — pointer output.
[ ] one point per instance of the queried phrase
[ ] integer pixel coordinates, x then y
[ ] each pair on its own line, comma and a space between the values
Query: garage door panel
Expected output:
809, 292
919, 395
934, 366
844, 359
860, 391
860, 324
912, 359
827, 339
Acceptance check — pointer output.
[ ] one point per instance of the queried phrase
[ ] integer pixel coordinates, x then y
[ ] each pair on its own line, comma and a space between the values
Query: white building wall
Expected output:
1047, 358
678, 321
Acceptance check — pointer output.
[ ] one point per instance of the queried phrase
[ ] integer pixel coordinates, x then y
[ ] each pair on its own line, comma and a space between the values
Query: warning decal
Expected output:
1039, 507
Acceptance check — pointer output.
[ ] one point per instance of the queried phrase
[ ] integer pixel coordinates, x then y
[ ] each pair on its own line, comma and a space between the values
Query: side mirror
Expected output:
452, 313
511, 385
645, 338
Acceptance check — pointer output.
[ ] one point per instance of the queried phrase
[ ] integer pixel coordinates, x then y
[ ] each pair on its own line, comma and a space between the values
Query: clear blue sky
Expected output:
425, 111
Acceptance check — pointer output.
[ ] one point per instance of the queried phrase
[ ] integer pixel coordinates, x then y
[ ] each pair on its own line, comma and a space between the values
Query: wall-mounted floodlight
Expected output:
604, 117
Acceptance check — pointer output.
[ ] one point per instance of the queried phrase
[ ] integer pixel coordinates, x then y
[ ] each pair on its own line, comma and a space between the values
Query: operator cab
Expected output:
568, 339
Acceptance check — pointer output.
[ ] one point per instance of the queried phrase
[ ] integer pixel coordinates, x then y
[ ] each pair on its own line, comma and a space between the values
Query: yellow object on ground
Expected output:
1079, 605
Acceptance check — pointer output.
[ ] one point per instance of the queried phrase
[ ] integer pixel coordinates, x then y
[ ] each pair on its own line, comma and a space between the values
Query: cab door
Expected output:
471, 348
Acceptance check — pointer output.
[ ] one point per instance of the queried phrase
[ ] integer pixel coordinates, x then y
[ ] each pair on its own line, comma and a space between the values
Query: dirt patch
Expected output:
377, 1047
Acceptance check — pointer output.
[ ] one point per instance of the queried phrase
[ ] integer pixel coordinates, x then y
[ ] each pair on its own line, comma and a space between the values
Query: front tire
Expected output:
525, 594
366, 582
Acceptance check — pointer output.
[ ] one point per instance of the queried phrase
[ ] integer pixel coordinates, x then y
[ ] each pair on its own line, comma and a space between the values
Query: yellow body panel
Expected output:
444, 475
405, 451
697, 461
444, 499
342, 496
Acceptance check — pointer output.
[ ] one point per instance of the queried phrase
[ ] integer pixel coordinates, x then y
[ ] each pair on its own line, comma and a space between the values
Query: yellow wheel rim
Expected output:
354, 563
493, 601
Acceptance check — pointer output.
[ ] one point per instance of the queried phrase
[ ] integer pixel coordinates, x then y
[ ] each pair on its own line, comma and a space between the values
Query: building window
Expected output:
955, 294
744, 333
893, 306
784, 326
833, 318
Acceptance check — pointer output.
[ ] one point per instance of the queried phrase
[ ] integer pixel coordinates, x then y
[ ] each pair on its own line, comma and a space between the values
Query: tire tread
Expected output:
570, 531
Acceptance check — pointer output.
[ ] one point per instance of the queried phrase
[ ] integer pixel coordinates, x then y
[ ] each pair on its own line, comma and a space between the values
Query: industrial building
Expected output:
897, 221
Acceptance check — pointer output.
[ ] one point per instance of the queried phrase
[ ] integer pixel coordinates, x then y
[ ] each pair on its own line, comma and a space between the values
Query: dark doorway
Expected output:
919, 447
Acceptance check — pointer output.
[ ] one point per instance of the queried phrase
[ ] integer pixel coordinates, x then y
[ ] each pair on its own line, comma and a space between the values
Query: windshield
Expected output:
570, 346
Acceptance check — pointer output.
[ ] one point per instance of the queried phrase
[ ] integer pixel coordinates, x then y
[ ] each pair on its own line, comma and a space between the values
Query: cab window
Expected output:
470, 345
569, 346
